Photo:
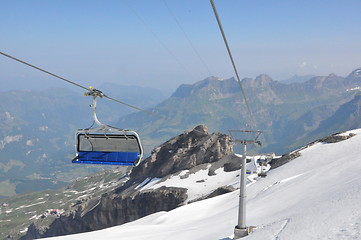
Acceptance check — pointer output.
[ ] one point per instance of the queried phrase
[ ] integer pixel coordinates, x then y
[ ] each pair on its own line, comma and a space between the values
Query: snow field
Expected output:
316, 196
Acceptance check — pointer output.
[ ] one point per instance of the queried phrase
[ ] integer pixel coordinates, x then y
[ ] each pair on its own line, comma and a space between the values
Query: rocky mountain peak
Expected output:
201, 128
261, 81
192, 148
354, 78
212, 87
355, 73
213, 78
332, 82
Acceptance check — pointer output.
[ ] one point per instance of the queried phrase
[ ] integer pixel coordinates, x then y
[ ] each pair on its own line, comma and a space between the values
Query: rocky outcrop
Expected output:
217, 192
109, 210
334, 138
184, 152
191, 150
277, 162
212, 87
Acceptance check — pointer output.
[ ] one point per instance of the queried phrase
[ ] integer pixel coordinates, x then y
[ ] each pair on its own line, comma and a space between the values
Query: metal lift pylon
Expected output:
241, 229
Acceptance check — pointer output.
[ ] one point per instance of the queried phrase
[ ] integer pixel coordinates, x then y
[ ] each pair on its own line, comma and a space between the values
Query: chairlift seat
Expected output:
108, 158
108, 146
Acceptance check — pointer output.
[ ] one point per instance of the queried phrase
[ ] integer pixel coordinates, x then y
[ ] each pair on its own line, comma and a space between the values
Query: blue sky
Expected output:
139, 42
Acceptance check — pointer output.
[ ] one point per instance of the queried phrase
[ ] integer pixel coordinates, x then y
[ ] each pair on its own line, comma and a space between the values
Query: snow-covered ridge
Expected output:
353, 89
200, 183
315, 196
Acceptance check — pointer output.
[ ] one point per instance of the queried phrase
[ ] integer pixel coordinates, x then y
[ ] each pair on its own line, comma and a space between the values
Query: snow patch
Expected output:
6, 220
283, 181
9, 139
147, 183
43, 128
200, 183
8, 117
353, 89
26, 206
9, 211
34, 217
347, 133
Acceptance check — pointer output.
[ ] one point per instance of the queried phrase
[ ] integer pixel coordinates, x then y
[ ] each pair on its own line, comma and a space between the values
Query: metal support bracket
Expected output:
94, 93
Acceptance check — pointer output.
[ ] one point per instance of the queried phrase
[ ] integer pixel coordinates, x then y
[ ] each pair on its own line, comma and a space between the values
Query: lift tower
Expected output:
243, 137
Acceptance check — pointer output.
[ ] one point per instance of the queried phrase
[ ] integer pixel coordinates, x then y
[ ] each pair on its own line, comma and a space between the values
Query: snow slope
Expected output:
315, 196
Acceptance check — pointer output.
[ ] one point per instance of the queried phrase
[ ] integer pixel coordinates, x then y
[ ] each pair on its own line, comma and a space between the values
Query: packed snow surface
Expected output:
315, 196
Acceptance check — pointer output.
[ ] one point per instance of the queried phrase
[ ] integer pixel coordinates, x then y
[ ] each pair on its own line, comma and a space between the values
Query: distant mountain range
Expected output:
298, 79
37, 127
289, 114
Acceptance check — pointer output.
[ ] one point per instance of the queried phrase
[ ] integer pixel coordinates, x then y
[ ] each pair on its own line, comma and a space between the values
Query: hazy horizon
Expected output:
163, 43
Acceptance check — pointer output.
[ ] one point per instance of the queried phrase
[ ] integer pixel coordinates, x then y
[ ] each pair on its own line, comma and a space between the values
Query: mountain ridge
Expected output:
277, 107
40, 126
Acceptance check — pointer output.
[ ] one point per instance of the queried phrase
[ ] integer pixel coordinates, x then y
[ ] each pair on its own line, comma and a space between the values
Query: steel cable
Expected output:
233, 64
71, 82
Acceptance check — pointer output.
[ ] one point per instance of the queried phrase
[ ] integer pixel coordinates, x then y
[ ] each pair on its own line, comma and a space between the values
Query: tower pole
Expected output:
241, 230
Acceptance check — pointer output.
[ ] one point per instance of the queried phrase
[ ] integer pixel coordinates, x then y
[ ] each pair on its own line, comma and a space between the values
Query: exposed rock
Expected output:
277, 162
220, 191
229, 163
110, 210
193, 150
336, 138
211, 172
183, 152
215, 193
232, 166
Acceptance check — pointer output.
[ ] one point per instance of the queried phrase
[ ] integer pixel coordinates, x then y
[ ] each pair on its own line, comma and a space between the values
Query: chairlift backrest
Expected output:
109, 146
107, 143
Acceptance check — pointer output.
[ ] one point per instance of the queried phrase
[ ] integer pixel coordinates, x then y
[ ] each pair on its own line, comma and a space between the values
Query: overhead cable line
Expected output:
160, 41
71, 82
52, 74
188, 39
233, 64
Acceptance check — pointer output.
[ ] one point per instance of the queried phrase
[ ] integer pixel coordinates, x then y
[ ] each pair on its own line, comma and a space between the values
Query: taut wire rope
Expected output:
74, 83
233, 64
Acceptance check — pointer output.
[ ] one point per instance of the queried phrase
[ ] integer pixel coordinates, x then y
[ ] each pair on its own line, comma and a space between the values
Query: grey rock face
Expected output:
191, 150
275, 163
110, 210
336, 138
183, 152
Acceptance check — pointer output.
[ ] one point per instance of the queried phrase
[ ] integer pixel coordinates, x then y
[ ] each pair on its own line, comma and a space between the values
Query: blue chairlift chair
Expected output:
105, 144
